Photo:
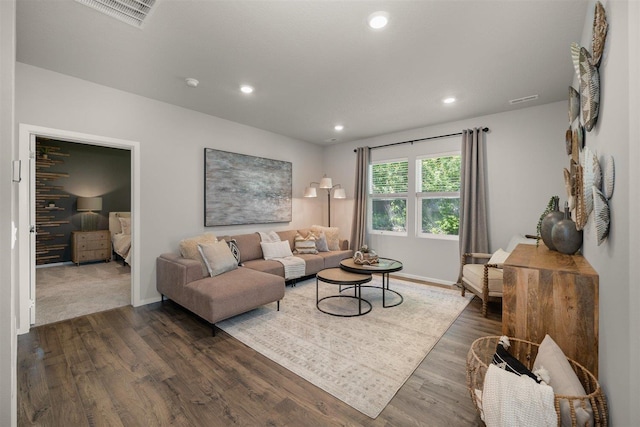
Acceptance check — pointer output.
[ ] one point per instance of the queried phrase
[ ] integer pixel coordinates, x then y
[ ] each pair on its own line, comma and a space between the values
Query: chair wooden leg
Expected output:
462, 292
484, 308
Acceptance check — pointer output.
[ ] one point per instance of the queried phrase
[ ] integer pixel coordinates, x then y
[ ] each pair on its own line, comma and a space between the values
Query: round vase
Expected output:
548, 222
565, 236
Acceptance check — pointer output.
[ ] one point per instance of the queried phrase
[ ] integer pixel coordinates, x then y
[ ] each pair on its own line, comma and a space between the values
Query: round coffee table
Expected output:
383, 267
337, 276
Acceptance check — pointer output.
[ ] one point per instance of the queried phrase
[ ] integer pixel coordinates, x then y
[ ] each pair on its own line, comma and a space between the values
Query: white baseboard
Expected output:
425, 279
149, 301
55, 264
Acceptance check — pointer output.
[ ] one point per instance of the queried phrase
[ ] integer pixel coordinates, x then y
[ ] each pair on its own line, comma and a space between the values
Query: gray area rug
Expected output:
68, 291
362, 361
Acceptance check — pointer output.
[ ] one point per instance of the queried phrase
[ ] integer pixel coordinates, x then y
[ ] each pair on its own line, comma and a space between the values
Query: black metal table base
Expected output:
357, 296
385, 289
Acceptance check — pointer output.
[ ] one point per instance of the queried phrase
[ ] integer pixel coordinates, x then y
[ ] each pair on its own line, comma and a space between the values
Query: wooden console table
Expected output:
546, 292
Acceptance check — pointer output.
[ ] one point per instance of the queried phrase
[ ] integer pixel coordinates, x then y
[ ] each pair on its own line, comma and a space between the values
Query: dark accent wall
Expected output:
93, 171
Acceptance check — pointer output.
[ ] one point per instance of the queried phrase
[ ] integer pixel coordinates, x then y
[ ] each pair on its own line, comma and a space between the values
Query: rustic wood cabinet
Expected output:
546, 292
90, 246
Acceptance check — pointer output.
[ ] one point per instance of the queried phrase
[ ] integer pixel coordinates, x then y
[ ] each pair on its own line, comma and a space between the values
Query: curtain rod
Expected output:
485, 129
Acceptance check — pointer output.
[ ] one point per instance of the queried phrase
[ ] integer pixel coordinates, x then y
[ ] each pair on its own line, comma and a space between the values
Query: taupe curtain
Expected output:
359, 223
473, 232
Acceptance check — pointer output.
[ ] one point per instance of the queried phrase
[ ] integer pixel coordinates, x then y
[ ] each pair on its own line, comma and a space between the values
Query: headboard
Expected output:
114, 222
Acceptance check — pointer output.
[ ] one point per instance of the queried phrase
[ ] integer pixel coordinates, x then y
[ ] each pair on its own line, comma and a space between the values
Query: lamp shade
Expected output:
339, 193
89, 204
310, 192
326, 183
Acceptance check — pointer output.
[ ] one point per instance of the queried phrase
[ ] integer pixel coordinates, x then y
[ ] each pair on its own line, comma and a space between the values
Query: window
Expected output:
438, 195
389, 187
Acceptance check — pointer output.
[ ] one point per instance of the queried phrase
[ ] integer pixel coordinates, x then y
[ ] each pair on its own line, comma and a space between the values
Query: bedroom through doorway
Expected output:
82, 208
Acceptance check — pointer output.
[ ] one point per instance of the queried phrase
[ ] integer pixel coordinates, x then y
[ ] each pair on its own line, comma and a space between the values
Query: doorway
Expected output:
26, 254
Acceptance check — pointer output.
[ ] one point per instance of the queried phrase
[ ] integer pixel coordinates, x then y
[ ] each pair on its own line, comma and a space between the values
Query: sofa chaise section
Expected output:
215, 298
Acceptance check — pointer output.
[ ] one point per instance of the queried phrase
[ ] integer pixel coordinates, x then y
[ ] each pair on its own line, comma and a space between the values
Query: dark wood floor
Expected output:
159, 365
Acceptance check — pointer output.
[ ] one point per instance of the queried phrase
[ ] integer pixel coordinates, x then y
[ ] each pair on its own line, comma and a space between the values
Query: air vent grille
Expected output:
523, 99
133, 12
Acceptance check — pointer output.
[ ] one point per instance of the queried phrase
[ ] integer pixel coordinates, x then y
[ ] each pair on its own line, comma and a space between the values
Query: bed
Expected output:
120, 229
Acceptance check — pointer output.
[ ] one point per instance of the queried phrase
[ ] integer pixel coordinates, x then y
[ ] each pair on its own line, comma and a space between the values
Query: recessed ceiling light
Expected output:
449, 100
378, 20
246, 89
338, 127
191, 82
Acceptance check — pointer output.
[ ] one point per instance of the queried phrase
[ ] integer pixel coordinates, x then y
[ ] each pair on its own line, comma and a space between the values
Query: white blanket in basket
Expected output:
510, 400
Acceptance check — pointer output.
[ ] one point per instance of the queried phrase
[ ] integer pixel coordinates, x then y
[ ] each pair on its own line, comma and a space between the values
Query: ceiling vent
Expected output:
133, 12
523, 99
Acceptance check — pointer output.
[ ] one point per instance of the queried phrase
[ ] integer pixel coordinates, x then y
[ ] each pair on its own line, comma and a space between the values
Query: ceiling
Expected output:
315, 64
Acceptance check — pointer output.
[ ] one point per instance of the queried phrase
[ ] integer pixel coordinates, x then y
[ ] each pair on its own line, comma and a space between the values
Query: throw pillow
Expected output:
235, 250
564, 381
321, 243
218, 257
305, 245
499, 257
332, 234
125, 225
272, 250
505, 360
189, 248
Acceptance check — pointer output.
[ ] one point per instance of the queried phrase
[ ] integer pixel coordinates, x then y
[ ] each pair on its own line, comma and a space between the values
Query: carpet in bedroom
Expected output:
362, 361
68, 291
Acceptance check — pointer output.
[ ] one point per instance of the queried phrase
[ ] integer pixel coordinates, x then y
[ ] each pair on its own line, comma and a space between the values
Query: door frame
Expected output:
26, 251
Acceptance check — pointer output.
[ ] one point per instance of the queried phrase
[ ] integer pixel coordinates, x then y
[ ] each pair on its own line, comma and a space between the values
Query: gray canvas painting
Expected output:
242, 189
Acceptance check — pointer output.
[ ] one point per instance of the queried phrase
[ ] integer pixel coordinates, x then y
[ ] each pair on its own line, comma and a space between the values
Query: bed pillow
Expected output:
321, 243
331, 233
189, 248
218, 257
272, 250
305, 245
125, 225
564, 381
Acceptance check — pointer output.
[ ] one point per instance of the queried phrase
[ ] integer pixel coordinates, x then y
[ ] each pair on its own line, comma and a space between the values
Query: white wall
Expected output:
525, 156
172, 141
9, 345
611, 136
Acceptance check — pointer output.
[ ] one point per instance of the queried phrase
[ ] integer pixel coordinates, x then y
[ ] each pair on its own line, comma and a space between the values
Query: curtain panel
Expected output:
473, 232
359, 223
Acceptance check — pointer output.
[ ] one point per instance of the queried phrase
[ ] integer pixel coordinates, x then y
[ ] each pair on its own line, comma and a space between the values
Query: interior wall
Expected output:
172, 141
8, 212
611, 136
525, 154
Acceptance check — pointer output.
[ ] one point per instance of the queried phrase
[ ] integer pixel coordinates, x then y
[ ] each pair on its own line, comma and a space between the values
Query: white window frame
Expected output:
420, 195
371, 197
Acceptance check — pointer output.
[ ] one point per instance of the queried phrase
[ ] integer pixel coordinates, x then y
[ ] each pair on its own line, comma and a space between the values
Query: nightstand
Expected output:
90, 246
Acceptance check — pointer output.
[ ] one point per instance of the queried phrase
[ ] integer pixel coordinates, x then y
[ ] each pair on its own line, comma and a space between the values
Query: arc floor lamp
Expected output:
326, 184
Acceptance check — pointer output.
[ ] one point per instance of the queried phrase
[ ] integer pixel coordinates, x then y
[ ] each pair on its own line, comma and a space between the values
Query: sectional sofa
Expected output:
256, 282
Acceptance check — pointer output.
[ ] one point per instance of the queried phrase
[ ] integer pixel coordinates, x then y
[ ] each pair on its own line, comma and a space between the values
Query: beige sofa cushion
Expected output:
189, 248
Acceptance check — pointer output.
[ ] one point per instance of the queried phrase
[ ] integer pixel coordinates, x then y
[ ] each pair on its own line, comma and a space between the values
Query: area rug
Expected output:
362, 361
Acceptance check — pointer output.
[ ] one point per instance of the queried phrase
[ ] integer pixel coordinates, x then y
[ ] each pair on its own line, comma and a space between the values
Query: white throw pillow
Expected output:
272, 250
499, 257
564, 381
217, 257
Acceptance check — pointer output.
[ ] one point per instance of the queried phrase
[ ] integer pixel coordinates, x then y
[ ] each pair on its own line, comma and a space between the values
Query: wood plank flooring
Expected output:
158, 365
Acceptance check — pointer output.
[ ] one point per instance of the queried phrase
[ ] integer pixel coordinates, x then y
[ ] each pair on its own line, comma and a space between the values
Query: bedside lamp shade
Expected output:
89, 204
89, 219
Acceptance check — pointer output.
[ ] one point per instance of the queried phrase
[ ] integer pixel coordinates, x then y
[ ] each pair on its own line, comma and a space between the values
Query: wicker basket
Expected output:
480, 356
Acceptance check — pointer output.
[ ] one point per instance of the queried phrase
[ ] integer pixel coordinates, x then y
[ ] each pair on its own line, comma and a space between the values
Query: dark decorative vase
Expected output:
549, 221
565, 236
